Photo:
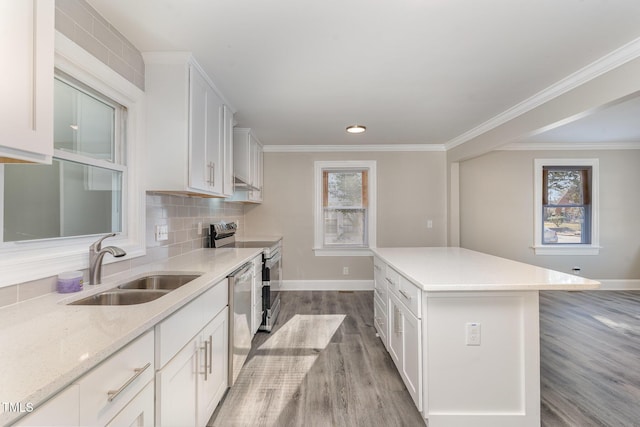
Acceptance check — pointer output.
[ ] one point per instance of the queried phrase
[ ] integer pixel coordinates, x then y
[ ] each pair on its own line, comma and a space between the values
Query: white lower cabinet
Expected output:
190, 386
380, 321
405, 347
176, 385
139, 412
117, 392
62, 410
212, 385
108, 388
192, 379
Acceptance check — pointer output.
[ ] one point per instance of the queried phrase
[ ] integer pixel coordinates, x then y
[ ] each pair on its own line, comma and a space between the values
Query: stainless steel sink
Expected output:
140, 290
160, 281
122, 297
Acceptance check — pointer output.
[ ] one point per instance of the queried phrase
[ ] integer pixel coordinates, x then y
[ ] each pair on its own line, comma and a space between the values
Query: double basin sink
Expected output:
140, 290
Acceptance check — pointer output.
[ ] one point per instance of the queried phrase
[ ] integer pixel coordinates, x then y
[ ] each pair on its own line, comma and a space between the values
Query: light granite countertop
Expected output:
46, 344
446, 269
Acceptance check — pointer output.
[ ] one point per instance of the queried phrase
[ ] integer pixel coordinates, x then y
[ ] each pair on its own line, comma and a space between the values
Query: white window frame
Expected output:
592, 248
318, 246
25, 261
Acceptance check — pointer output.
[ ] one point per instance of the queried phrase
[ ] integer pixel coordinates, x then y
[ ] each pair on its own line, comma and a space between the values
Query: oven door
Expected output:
273, 271
271, 275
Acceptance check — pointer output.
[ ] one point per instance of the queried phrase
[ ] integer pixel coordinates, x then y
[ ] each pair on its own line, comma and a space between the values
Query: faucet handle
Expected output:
97, 245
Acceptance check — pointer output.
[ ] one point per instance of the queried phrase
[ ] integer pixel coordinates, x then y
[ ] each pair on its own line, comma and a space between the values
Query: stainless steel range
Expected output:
223, 235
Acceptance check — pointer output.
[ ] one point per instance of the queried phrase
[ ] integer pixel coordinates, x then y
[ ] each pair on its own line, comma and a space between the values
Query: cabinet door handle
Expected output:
397, 320
404, 294
389, 281
137, 372
213, 174
206, 358
210, 352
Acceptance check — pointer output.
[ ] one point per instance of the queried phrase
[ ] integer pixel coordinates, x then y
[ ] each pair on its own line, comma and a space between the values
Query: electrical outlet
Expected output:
429, 223
473, 333
345, 271
162, 232
199, 229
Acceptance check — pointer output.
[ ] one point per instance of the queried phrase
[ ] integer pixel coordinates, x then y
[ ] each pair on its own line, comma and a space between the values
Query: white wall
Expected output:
496, 210
411, 190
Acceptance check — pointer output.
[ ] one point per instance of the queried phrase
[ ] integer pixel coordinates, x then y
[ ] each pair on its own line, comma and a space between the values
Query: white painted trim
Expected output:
569, 146
351, 148
619, 285
327, 285
564, 249
342, 252
612, 60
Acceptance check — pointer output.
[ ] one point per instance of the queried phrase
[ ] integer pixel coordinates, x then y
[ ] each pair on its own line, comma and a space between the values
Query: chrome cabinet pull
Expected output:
138, 371
404, 294
397, 320
389, 280
210, 353
206, 358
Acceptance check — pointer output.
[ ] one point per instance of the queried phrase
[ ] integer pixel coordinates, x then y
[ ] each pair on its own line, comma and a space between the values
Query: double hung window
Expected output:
81, 192
345, 207
566, 206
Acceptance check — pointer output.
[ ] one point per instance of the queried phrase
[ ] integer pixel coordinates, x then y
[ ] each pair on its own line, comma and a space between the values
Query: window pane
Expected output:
82, 123
59, 200
564, 187
345, 227
564, 225
344, 189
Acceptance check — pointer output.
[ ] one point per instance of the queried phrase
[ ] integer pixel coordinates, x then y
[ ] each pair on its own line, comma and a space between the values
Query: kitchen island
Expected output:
463, 330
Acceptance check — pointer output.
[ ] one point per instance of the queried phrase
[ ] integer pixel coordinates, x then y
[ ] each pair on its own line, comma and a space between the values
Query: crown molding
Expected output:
569, 146
348, 148
612, 60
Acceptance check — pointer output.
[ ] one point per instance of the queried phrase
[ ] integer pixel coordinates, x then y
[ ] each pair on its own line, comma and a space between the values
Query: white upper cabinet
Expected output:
227, 181
248, 166
188, 128
27, 46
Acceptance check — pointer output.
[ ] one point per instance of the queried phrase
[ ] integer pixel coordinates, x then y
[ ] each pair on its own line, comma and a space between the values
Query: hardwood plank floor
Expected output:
590, 358
321, 366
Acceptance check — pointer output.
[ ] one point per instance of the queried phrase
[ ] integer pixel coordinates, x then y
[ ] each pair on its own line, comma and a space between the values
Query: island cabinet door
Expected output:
405, 347
412, 356
395, 347
380, 321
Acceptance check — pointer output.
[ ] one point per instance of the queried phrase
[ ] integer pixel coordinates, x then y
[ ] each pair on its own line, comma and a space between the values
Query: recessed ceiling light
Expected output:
356, 129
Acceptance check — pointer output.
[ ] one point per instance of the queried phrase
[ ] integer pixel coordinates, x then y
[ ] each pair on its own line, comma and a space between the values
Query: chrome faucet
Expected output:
96, 253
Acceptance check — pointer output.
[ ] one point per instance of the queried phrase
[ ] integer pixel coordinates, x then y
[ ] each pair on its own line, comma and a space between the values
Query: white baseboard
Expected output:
327, 285
620, 285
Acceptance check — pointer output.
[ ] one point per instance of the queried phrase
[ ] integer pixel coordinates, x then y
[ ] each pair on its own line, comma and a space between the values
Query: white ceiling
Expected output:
412, 71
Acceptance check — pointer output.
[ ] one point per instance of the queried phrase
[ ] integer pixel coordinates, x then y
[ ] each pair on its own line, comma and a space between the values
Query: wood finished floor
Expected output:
323, 365
590, 358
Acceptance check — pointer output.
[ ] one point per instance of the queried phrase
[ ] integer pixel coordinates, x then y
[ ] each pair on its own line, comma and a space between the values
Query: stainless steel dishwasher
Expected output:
240, 282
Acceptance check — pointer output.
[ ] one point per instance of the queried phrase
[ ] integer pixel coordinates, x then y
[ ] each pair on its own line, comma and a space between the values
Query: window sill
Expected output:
342, 251
566, 250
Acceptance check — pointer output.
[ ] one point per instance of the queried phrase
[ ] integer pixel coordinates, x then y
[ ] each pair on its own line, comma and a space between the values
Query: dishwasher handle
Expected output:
240, 273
